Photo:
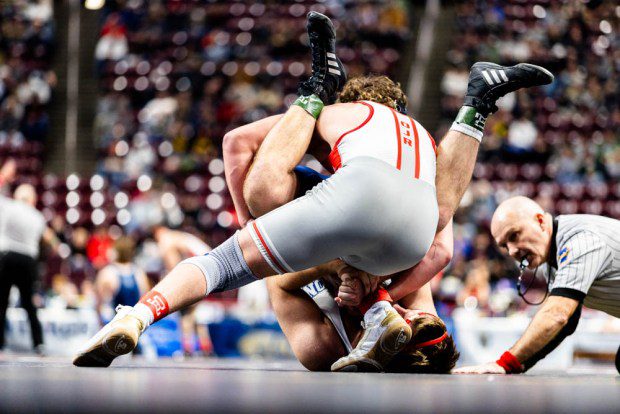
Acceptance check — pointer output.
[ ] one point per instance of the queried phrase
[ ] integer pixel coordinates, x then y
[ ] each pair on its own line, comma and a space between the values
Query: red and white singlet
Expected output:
392, 137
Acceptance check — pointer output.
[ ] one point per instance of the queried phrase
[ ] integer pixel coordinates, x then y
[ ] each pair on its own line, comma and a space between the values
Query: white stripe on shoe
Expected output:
495, 76
487, 78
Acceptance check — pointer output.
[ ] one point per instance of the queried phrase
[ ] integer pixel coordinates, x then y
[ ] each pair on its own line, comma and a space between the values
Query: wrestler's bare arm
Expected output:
239, 147
436, 259
293, 281
421, 299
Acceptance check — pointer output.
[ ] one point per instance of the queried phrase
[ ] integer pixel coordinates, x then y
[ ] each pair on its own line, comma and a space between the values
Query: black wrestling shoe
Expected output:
618, 360
488, 82
328, 73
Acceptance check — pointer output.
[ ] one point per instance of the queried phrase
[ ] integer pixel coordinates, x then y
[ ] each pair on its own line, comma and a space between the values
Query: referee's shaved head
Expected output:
521, 226
513, 209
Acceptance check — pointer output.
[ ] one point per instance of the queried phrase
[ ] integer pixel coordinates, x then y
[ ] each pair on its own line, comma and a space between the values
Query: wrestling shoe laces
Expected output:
328, 72
384, 336
118, 337
489, 81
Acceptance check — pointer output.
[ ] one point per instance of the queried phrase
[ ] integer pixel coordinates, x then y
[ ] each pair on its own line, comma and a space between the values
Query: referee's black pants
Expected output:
20, 270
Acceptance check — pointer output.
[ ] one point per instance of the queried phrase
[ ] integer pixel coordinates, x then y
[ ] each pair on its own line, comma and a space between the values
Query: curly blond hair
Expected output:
374, 88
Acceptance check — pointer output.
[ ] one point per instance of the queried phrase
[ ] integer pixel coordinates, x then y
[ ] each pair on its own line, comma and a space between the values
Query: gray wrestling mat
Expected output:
29, 384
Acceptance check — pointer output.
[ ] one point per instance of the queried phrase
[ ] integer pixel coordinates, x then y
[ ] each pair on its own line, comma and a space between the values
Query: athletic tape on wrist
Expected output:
510, 363
467, 130
470, 122
311, 104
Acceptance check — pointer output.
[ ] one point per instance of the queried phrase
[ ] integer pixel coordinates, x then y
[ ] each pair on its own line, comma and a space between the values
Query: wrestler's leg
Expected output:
456, 158
458, 149
309, 331
271, 182
187, 282
234, 263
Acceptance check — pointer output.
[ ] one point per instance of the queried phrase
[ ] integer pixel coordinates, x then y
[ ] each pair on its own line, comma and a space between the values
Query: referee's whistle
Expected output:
524, 264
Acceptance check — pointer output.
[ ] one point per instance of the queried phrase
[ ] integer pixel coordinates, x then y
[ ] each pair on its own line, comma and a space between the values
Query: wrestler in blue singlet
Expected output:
128, 291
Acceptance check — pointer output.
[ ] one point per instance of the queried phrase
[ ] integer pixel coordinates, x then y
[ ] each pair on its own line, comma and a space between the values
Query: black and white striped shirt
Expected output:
584, 259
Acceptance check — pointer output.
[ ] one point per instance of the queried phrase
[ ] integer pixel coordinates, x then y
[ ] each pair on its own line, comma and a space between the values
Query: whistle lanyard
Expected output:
522, 266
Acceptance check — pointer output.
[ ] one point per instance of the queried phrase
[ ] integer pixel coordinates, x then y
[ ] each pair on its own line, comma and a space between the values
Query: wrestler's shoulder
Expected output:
346, 106
347, 110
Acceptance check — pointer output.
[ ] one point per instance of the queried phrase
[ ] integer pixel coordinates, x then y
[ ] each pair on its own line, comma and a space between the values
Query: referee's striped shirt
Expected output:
584, 259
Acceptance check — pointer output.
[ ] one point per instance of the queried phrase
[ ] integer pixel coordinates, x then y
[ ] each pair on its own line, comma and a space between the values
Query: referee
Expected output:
579, 255
21, 229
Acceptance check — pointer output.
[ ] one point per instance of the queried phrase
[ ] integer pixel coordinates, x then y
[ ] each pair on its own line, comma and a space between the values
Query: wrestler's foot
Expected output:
328, 73
118, 337
386, 334
488, 82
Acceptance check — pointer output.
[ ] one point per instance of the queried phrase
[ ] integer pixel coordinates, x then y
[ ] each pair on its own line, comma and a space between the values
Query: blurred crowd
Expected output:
175, 76
26, 81
558, 144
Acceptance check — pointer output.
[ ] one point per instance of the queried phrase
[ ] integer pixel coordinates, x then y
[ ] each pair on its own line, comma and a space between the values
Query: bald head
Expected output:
513, 210
521, 226
26, 194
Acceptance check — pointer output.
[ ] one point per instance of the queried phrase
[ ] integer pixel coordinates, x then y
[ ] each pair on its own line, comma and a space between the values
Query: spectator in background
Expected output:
98, 247
522, 134
174, 246
112, 44
121, 282
64, 293
476, 291
22, 227
77, 266
140, 158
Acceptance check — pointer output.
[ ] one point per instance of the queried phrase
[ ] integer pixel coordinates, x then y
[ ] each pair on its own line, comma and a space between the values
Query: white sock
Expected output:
143, 313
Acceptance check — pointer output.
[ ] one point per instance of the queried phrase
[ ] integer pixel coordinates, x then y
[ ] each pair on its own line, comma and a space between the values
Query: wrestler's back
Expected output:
370, 129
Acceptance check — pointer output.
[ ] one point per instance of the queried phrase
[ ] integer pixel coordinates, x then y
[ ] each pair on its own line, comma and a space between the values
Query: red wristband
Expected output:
510, 363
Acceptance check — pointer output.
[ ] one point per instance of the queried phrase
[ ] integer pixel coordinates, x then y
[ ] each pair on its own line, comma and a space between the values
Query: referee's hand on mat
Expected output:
488, 368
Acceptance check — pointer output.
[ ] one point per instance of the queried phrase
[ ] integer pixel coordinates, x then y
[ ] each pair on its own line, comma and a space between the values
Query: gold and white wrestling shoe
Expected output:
386, 333
118, 337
